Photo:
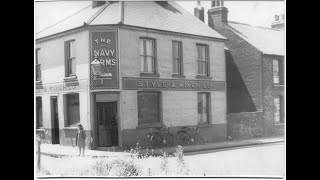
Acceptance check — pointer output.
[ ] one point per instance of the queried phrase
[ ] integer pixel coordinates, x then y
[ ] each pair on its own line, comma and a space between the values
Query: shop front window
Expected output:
148, 107
203, 107
73, 109
39, 118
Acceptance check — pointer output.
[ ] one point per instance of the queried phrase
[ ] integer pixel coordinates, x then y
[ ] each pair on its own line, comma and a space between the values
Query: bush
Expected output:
118, 167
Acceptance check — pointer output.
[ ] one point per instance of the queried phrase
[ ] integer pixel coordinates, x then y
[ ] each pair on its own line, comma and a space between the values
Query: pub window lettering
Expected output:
147, 55
148, 107
203, 68
70, 58
203, 107
177, 57
38, 66
39, 119
73, 109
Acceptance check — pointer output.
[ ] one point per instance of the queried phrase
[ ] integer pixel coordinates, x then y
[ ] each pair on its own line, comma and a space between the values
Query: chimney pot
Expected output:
199, 11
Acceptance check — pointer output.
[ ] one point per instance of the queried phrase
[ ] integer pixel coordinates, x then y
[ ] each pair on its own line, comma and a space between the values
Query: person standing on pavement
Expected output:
80, 139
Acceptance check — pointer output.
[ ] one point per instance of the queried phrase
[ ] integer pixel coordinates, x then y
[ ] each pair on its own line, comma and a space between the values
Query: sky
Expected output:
255, 13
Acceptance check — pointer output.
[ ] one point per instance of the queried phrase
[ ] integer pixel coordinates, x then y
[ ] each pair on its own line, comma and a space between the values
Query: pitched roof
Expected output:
167, 16
266, 40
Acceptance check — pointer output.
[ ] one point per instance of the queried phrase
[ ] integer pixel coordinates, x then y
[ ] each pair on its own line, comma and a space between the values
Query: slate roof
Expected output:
266, 40
167, 16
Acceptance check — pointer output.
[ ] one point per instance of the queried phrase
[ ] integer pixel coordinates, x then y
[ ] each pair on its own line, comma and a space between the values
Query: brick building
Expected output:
255, 74
119, 68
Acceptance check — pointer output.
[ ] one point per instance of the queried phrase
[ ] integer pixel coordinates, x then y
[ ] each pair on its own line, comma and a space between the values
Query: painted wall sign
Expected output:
60, 87
172, 84
104, 59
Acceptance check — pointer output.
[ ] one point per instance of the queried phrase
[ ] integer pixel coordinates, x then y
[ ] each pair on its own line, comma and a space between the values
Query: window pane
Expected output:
176, 68
73, 66
276, 78
141, 47
150, 64
73, 109
148, 107
203, 52
72, 49
176, 49
149, 48
37, 56
142, 63
199, 52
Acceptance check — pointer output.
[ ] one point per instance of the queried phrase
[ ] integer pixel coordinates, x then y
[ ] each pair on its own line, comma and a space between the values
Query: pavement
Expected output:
55, 150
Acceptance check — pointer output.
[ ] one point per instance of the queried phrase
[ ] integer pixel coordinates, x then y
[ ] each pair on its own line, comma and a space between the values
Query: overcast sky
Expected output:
256, 13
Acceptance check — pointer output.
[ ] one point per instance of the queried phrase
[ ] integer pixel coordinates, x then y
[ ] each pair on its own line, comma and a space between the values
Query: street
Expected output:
258, 160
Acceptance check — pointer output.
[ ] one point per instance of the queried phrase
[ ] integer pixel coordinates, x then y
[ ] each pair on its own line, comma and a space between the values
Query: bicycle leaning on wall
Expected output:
185, 138
155, 138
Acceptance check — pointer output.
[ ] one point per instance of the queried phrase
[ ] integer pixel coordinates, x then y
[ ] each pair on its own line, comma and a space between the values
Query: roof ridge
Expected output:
63, 19
235, 22
98, 13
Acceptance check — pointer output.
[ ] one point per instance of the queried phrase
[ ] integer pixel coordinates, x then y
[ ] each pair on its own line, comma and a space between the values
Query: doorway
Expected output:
107, 124
54, 120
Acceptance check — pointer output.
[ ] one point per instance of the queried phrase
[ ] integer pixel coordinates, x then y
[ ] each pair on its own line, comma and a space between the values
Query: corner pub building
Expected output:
120, 68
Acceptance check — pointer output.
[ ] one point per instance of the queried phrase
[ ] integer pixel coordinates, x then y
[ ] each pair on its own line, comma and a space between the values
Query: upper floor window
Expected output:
278, 109
277, 72
38, 66
203, 67
177, 57
147, 56
70, 58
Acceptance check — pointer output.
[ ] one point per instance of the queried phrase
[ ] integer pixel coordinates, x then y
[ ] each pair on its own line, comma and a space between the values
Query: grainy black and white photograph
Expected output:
159, 89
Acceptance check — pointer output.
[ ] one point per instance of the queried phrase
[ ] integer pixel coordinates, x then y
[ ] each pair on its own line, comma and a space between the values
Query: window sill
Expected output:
149, 75
38, 82
149, 125
178, 76
205, 125
279, 124
203, 77
71, 128
70, 78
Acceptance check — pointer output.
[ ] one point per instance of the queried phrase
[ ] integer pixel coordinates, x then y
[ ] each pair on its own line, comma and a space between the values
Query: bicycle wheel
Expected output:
169, 140
156, 140
145, 144
201, 139
184, 139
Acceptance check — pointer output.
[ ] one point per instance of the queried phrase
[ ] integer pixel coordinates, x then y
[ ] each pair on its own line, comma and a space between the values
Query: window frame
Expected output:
281, 110
206, 61
155, 61
208, 106
147, 123
38, 65
68, 59
180, 59
67, 112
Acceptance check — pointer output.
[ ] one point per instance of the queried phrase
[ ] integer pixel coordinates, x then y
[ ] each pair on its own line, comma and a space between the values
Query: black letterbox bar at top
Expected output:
172, 84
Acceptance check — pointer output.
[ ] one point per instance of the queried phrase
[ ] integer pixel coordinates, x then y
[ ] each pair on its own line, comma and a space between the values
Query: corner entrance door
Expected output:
107, 124
54, 120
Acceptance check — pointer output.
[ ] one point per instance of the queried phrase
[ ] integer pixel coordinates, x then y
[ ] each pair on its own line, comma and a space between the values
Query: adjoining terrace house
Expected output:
255, 58
120, 68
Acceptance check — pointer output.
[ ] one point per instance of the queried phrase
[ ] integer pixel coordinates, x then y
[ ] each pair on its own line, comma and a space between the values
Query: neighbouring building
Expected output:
120, 68
255, 58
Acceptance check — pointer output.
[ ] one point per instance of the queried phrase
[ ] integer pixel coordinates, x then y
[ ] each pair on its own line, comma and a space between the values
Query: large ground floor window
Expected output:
72, 109
203, 107
278, 110
39, 119
148, 107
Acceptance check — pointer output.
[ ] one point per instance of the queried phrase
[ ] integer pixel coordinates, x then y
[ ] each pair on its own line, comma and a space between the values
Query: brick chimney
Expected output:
217, 14
97, 3
199, 12
278, 22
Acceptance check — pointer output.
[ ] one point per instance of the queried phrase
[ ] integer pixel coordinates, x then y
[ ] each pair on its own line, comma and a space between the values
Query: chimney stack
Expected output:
199, 11
217, 14
97, 3
278, 22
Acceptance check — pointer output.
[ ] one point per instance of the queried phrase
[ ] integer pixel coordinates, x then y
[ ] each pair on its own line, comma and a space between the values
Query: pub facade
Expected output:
119, 79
